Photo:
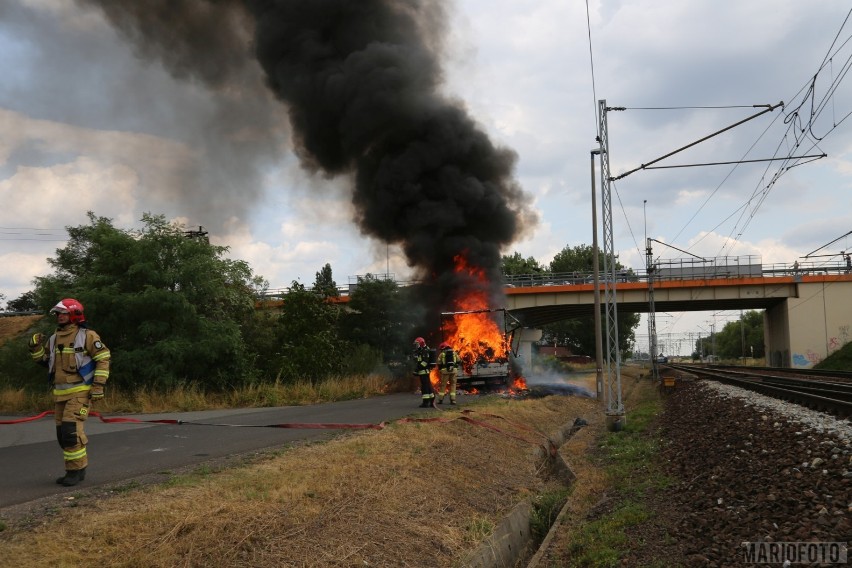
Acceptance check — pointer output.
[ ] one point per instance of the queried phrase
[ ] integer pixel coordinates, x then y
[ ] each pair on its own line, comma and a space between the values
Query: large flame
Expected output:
474, 333
476, 336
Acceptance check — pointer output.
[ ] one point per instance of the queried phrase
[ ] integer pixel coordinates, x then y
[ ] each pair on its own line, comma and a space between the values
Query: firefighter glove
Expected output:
36, 341
97, 392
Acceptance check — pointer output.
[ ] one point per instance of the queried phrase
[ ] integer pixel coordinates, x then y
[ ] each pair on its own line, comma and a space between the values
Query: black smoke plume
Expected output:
361, 81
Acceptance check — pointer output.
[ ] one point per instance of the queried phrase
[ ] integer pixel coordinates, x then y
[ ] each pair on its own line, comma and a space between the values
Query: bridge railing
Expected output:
664, 269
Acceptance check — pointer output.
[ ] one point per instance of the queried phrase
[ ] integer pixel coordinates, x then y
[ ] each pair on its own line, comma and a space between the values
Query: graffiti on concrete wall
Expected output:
807, 359
842, 338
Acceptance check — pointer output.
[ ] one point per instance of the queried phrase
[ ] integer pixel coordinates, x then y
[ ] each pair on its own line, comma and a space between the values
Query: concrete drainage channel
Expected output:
512, 538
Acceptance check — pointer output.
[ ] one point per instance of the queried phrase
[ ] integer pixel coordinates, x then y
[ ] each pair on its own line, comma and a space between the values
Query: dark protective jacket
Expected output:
421, 361
448, 360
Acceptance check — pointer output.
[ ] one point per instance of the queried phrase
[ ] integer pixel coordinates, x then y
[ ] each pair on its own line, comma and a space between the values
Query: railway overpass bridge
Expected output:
807, 316
808, 307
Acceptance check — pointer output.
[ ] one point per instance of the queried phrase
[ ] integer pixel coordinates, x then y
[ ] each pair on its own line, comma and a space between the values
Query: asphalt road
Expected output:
31, 460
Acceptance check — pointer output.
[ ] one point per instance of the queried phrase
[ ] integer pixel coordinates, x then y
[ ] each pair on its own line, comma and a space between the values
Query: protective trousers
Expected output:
426, 389
70, 416
448, 384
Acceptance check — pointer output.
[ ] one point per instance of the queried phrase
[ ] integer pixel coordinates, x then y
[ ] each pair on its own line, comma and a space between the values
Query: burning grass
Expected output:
414, 494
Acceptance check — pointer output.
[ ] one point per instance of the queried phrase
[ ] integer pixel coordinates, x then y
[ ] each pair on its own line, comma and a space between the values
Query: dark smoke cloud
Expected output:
209, 44
361, 81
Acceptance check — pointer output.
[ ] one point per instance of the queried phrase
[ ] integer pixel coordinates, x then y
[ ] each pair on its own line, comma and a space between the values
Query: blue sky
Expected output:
88, 123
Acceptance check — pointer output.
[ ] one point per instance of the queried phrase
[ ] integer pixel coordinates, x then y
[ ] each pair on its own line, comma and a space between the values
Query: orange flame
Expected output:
475, 336
435, 379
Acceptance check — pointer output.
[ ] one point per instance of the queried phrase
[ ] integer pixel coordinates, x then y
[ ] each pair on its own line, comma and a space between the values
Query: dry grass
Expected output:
13, 326
189, 397
415, 494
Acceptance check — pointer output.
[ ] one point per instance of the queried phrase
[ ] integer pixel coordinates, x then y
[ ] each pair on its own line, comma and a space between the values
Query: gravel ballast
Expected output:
746, 468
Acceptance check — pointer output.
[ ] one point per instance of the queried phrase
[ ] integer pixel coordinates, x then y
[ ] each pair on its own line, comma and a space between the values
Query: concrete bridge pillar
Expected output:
800, 332
527, 336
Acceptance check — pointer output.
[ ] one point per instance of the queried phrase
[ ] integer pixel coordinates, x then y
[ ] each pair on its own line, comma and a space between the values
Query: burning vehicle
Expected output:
487, 352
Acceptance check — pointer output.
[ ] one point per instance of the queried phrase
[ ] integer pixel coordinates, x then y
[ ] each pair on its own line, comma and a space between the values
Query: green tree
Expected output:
736, 338
23, 303
325, 284
516, 264
309, 341
169, 307
579, 334
379, 315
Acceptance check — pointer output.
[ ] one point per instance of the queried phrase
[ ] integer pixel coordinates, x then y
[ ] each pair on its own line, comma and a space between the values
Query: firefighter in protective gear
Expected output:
448, 364
422, 356
78, 366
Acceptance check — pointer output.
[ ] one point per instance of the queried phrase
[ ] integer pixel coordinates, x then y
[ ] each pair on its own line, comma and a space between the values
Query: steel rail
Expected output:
839, 403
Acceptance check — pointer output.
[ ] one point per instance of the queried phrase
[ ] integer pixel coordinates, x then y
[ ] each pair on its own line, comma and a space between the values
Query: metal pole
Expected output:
615, 415
652, 316
596, 270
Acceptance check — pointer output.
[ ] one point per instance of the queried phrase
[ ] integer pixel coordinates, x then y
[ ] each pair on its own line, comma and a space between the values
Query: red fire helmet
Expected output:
444, 345
420, 342
72, 307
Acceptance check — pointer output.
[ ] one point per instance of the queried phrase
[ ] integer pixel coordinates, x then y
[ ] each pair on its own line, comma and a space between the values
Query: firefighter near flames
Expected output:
479, 344
486, 353
448, 364
423, 362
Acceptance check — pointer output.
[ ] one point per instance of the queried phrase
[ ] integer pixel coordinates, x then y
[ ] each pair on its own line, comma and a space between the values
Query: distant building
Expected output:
563, 354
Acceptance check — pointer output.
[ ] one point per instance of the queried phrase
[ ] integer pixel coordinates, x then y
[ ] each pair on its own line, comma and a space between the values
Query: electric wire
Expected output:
800, 130
800, 134
695, 107
31, 234
592, 64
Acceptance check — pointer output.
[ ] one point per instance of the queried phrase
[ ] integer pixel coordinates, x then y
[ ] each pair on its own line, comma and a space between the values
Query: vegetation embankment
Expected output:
178, 315
193, 397
840, 360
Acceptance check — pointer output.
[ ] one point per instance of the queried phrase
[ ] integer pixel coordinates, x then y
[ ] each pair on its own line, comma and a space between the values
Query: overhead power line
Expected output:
828, 243
769, 108
696, 107
32, 234
817, 156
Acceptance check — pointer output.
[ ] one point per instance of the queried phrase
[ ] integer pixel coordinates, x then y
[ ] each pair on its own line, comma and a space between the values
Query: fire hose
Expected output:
464, 416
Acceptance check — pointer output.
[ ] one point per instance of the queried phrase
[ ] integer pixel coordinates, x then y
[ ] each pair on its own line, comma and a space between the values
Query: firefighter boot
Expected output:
424, 404
441, 400
72, 477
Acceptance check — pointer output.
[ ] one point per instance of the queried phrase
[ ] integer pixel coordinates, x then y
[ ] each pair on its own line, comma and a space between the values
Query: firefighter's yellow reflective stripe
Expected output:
59, 390
102, 373
70, 456
101, 356
37, 355
67, 350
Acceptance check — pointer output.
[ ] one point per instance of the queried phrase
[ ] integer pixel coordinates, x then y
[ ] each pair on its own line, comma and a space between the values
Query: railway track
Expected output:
829, 392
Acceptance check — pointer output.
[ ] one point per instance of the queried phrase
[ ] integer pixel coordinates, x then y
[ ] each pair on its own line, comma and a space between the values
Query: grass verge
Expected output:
628, 461
190, 397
